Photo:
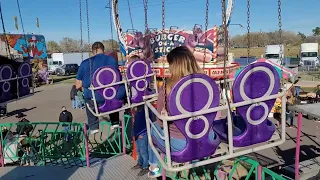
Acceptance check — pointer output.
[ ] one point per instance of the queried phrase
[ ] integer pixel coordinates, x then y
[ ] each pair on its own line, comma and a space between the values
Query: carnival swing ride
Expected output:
197, 103
15, 74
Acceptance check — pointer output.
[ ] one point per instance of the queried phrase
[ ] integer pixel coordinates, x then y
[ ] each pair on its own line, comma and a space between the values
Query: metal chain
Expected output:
280, 30
88, 29
130, 14
81, 33
145, 2
280, 38
163, 56
248, 28
205, 33
111, 26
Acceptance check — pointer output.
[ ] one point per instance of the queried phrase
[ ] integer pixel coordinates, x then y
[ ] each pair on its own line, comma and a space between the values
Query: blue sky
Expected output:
60, 18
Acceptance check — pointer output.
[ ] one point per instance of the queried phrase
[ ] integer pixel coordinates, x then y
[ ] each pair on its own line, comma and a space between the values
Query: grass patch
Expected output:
289, 51
63, 79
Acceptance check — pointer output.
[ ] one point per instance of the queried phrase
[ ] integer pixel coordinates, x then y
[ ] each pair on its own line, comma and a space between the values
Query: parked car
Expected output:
67, 69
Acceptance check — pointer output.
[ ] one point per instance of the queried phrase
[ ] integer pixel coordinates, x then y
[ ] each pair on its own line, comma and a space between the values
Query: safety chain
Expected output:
111, 26
146, 35
280, 30
81, 33
130, 14
205, 32
280, 39
163, 56
145, 2
248, 28
88, 29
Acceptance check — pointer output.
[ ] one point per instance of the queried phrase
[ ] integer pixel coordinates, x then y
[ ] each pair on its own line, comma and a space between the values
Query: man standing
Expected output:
65, 115
83, 80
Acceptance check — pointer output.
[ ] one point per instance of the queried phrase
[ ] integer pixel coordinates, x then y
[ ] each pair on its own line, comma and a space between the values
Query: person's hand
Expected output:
140, 137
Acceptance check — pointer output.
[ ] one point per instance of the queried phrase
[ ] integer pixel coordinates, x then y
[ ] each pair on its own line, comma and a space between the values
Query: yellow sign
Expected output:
38, 24
16, 22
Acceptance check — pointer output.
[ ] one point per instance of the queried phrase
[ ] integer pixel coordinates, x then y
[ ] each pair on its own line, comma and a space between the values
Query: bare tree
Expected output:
69, 45
53, 47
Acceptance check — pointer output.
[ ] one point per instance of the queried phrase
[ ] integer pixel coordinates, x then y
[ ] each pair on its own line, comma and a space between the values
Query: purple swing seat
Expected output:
256, 80
193, 93
24, 83
139, 88
104, 76
7, 89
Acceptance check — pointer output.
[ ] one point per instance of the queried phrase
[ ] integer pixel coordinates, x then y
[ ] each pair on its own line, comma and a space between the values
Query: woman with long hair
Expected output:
181, 63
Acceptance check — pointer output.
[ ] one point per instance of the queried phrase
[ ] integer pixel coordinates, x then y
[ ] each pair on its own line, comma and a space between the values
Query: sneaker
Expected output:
143, 172
136, 167
155, 173
95, 131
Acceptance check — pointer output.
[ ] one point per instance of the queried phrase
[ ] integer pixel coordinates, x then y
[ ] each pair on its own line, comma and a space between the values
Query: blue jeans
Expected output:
289, 117
142, 149
66, 129
176, 144
74, 104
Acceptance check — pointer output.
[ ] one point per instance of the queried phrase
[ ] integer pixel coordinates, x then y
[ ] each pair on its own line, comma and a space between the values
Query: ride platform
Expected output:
117, 168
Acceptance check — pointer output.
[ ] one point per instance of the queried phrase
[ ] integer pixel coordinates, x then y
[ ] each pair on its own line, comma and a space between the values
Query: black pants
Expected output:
93, 121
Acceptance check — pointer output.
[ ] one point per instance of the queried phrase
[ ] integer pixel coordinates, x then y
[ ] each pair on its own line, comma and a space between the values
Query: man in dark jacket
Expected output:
66, 116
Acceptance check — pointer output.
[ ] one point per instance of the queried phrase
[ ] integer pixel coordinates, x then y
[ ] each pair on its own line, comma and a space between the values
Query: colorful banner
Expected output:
157, 44
29, 47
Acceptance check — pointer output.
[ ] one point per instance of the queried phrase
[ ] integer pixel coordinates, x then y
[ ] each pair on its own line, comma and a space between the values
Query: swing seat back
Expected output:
104, 76
139, 88
255, 81
7, 86
193, 93
24, 70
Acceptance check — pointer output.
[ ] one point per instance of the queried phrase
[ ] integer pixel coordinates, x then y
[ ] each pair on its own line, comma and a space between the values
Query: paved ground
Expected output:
46, 105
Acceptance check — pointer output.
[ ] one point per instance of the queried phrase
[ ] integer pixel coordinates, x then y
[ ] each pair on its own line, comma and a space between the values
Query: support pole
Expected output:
1, 153
86, 143
298, 146
259, 172
123, 136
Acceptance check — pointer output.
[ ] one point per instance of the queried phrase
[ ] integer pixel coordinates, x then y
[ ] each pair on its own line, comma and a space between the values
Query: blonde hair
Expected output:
181, 63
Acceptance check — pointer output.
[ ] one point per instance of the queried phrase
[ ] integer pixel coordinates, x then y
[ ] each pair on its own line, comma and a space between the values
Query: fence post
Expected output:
1, 153
86, 143
259, 172
298, 146
123, 125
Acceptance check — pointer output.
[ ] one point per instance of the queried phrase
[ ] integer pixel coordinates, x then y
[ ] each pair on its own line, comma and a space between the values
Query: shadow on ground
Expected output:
15, 112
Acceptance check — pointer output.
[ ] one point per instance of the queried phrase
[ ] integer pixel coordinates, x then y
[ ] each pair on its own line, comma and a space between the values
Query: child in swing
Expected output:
140, 135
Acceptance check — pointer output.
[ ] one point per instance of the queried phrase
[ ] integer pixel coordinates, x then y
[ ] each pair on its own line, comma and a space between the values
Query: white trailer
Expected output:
309, 53
59, 59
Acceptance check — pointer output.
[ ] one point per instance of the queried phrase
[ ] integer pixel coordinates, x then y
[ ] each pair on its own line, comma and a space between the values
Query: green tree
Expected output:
316, 31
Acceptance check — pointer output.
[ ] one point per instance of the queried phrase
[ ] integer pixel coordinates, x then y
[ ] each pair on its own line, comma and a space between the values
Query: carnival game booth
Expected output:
15, 80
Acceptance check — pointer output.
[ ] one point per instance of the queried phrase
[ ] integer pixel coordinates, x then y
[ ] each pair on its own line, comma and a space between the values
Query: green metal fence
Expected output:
60, 143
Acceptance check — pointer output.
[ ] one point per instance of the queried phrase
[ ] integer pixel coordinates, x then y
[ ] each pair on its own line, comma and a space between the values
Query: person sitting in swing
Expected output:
83, 80
181, 63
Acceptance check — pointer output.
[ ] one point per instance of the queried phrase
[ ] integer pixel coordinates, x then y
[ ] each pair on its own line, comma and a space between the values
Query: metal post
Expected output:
1, 153
259, 172
86, 144
298, 146
123, 136
164, 176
